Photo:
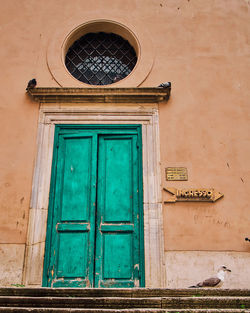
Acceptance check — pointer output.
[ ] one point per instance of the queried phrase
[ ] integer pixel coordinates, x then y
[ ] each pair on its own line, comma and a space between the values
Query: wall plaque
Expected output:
195, 194
176, 173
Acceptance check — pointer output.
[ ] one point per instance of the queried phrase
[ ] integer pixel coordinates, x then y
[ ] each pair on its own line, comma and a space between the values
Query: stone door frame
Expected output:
52, 114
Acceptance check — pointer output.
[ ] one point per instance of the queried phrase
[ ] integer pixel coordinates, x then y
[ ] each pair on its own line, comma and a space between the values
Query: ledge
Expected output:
100, 95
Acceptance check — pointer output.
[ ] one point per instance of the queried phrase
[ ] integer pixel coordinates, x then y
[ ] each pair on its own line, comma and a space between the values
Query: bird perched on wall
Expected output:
215, 281
31, 84
165, 85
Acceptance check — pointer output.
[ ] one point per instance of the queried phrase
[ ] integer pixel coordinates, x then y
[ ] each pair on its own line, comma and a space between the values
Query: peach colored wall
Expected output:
205, 126
202, 47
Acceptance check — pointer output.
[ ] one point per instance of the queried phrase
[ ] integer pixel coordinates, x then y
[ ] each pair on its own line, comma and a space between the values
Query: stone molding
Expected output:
100, 95
50, 115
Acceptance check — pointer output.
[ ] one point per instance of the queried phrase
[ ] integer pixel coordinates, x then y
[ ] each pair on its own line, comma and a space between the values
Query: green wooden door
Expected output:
95, 222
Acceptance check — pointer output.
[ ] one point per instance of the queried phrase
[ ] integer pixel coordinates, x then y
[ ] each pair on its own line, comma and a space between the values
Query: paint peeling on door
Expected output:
105, 220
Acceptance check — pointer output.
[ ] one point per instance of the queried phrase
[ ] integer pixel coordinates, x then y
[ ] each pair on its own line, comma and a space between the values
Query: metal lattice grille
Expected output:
100, 58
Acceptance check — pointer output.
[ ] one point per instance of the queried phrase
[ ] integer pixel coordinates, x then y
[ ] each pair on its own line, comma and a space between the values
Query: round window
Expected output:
100, 58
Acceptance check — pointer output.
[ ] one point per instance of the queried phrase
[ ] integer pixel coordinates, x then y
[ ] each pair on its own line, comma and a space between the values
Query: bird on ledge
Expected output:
165, 85
31, 84
216, 281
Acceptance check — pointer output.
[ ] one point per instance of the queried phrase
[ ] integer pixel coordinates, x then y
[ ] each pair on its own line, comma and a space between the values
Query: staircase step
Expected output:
71, 302
126, 292
68, 310
205, 302
138, 300
126, 303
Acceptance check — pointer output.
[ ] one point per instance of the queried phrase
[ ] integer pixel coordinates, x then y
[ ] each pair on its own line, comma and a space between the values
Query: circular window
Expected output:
100, 58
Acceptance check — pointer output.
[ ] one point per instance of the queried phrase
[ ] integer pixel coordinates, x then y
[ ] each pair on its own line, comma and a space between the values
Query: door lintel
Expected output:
100, 95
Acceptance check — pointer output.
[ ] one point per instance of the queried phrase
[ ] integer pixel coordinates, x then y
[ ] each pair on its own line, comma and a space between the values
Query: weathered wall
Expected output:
205, 125
202, 47
188, 268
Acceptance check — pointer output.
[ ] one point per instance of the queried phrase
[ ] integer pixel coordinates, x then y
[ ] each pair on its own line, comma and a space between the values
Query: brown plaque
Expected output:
176, 173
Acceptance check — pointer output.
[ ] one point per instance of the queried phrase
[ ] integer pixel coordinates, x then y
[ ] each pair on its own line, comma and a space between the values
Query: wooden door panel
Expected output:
117, 235
72, 254
95, 221
117, 255
76, 179
116, 175
73, 218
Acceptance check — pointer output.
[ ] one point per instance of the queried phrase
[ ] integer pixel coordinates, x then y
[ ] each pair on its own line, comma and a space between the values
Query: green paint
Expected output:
95, 220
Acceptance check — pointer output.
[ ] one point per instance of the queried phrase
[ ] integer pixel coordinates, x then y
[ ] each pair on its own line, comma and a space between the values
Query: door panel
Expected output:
117, 256
116, 169
95, 222
76, 179
72, 261
117, 250
73, 224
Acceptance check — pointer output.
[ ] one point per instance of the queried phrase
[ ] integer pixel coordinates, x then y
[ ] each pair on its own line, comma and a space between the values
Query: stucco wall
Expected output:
202, 47
188, 268
205, 125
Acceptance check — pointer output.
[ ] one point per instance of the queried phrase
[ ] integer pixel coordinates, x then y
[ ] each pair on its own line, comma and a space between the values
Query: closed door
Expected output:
95, 221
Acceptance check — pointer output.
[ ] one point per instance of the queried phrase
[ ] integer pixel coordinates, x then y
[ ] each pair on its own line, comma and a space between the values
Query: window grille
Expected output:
100, 58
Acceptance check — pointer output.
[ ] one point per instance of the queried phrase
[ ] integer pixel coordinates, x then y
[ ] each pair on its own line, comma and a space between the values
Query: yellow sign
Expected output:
176, 173
196, 194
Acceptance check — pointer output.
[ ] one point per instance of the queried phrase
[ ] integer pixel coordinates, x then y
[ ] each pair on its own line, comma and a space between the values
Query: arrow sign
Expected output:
195, 194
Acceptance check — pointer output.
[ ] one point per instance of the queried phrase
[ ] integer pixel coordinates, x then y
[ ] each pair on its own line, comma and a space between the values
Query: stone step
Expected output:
69, 310
128, 303
126, 292
206, 302
79, 302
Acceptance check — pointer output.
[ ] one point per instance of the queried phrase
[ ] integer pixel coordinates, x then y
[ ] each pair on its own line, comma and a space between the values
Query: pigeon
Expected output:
31, 84
165, 85
216, 281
